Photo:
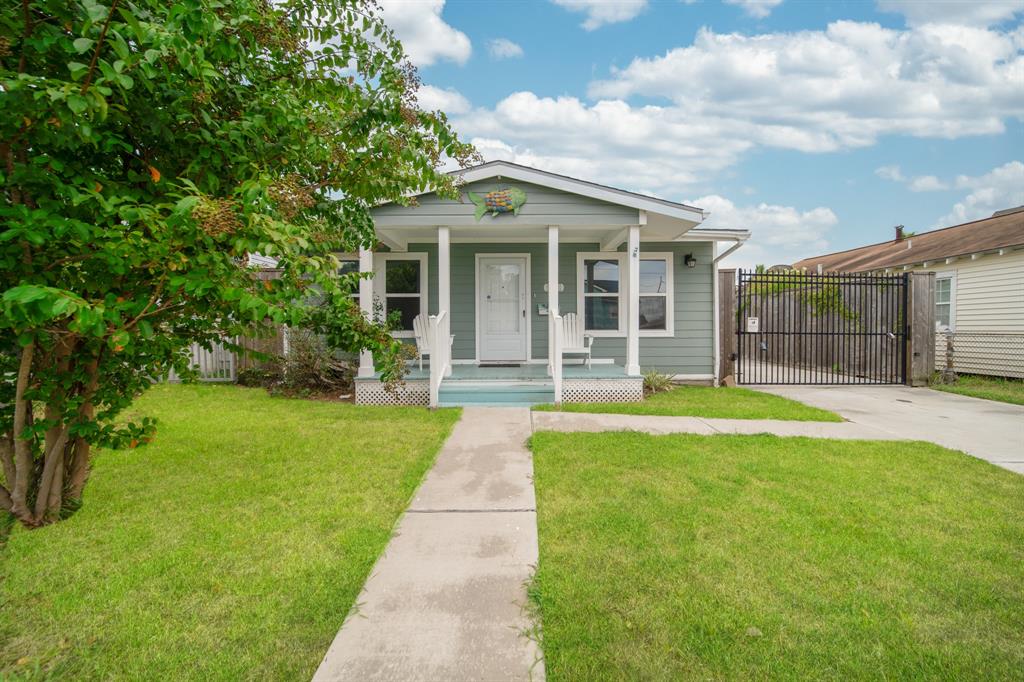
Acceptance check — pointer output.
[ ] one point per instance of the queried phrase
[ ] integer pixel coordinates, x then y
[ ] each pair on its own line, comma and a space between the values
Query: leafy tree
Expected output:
147, 147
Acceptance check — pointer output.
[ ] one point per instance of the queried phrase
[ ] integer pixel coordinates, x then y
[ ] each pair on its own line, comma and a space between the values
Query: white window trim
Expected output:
380, 260
670, 321
351, 257
669, 257
951, 276
620, 257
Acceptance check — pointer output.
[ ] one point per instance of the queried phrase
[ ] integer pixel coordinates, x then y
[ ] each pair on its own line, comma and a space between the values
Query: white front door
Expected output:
502, 308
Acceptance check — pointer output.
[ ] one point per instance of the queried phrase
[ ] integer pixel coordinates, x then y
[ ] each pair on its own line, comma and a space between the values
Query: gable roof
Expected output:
1004, 229
514, 171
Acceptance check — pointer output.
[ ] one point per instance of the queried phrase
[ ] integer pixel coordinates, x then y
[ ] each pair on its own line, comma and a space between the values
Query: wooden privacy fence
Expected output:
221, 364
217, 364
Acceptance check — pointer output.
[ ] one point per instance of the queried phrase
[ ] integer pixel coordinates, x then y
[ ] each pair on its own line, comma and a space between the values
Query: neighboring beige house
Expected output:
979, 293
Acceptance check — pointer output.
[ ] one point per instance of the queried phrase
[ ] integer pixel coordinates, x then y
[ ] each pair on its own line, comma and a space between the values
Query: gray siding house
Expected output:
507, 279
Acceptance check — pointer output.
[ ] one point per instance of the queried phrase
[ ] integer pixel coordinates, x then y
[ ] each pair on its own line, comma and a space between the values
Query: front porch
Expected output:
562, 268
506, 385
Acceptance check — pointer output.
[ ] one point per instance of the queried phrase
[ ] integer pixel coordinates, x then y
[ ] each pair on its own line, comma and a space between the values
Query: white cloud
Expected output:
964, 12
839, 88
920, 183
448, 100
780, 234
890, 173
657, 148
503, 48
427, 38
759, 9
927, 183
601, 12
1002, 187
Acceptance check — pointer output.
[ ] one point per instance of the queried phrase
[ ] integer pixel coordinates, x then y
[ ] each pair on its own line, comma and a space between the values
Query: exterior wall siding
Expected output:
544, 206
689, 352
989, 292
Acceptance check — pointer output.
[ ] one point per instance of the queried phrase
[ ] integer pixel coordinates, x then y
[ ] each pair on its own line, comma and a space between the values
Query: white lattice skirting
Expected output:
603, 390
373, 393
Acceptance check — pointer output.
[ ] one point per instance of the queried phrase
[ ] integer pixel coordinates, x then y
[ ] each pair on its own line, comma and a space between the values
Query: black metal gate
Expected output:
799, 328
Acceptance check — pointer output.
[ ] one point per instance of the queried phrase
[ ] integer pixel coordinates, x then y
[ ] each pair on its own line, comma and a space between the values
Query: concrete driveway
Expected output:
987, 429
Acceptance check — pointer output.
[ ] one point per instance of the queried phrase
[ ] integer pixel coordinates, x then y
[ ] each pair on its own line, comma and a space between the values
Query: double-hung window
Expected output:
602, 299
400, 284
656, 317
602, 289
348, 265
945, 286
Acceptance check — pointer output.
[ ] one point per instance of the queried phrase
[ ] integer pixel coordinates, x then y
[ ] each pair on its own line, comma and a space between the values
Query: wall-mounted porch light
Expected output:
689, 261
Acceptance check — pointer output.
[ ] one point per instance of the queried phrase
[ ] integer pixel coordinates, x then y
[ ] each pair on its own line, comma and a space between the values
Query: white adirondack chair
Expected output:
575, 340
419, 329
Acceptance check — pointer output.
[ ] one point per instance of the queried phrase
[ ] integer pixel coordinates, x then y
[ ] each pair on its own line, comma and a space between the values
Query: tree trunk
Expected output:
22, 448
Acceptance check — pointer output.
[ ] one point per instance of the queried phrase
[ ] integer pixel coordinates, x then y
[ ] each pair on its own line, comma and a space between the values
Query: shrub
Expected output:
656, 382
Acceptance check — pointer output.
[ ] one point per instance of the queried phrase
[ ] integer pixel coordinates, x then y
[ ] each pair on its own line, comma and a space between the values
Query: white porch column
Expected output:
552, 286
366, 368
444, 279
633, 302
444, 272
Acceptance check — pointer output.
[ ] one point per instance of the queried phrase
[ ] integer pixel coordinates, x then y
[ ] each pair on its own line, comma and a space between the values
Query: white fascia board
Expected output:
714, 235
584, 189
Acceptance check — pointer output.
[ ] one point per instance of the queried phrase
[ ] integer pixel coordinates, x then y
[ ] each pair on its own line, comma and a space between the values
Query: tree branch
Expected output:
99, 45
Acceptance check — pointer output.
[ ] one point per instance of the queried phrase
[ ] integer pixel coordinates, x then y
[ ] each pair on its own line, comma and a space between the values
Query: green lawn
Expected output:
990, 388
757, 557
231, 548
707, 401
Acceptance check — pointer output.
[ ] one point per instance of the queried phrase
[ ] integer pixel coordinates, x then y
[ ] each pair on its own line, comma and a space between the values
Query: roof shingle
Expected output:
1003, 230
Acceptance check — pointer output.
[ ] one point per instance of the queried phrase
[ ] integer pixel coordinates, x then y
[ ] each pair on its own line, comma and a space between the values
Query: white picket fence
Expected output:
220, 364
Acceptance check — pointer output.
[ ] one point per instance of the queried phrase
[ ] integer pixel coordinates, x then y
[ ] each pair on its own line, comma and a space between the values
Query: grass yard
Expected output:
758, 557
231, 548
990, 388
708, 401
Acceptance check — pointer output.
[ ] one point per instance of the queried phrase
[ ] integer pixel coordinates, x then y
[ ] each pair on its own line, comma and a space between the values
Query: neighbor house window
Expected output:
602, 285
944, 302
656, 317
400, 284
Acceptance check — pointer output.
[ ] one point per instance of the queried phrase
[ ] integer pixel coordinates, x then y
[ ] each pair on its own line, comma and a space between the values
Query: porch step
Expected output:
495, 393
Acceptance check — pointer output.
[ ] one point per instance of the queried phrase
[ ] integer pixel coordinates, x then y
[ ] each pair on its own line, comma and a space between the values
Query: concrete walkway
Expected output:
445, 600
572, 421
987, 429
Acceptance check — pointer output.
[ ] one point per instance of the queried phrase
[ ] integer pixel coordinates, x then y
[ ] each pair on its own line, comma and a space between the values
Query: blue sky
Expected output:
817, 125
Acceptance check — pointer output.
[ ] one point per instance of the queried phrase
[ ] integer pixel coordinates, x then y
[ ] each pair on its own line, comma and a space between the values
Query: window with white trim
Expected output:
656, 318
944, 288
601, 285
400, 284
348, 265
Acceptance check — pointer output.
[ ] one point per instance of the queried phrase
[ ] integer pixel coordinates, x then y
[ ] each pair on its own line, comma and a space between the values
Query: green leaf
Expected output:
83, 44
77, 103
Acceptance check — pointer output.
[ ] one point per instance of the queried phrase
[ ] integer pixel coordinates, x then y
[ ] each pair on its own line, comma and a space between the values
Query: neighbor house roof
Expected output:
1005, 229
